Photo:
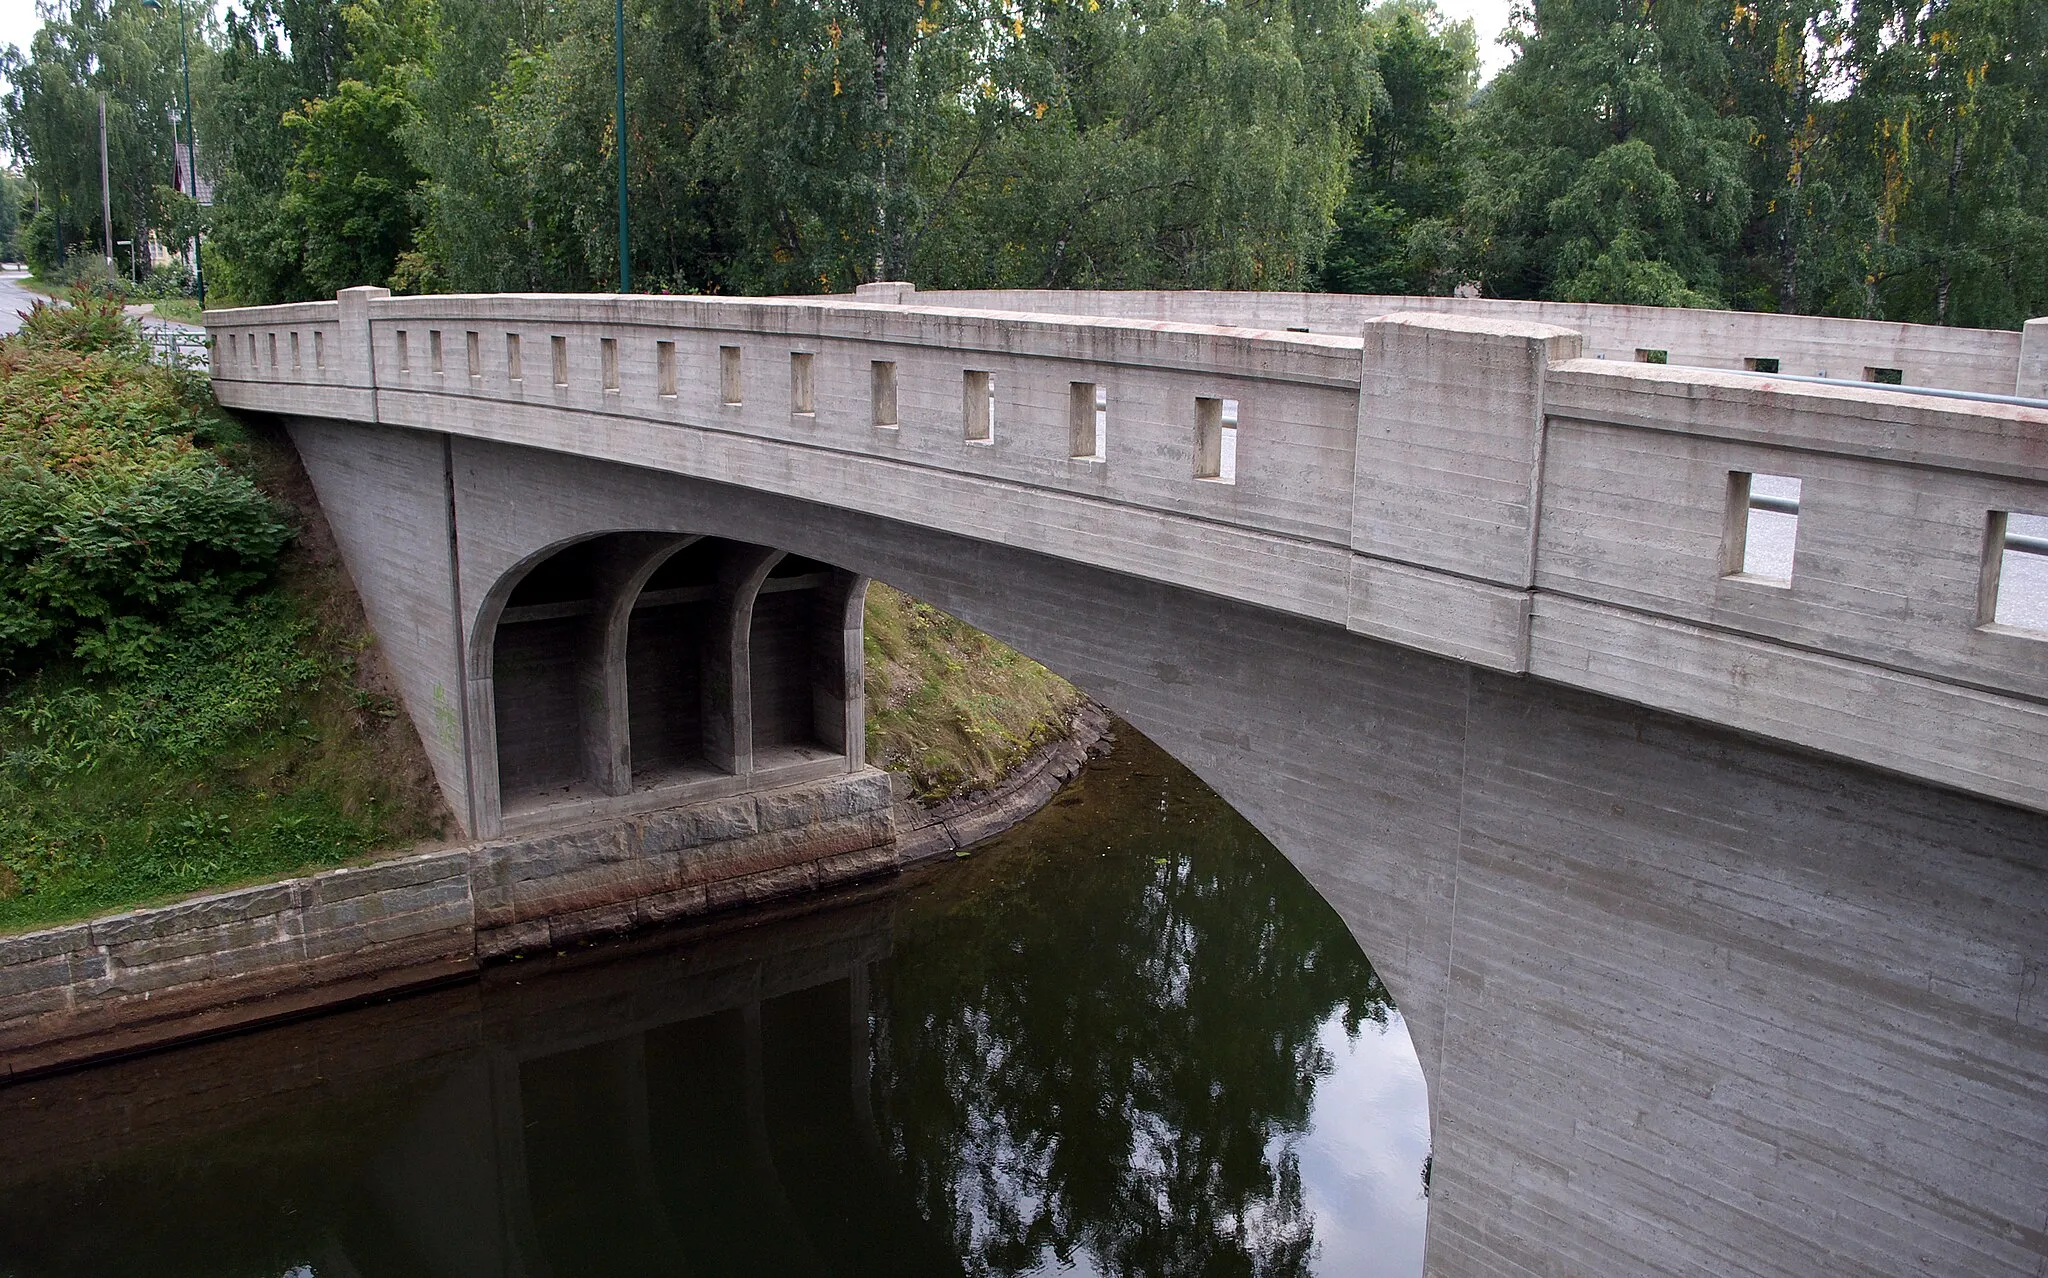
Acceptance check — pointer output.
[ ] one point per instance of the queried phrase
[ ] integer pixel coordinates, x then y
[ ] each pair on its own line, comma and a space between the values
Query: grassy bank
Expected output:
186, 699
188, 695
949, 706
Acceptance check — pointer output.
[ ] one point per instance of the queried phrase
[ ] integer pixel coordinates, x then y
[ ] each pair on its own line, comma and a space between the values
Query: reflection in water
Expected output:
1125, 1039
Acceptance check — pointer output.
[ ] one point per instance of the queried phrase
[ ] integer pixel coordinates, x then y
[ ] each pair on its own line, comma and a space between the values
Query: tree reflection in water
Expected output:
1098, 1046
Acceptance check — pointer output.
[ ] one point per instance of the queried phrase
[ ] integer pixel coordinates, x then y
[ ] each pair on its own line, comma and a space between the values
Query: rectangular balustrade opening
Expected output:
1885, 376
473, 351
1648, 355
729, 375
273, 351
513, 372
883, 393
803, 388
234, 349
2013, 593
434, 349
295, 352
559, 347
1761, 364
608, 362
1761, 535
978, 406
665, 369
404, 351
1087, 420
319, 349
1216, 439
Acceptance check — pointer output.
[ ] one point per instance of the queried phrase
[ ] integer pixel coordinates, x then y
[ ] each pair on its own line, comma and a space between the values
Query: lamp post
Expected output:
619, 130
191, 148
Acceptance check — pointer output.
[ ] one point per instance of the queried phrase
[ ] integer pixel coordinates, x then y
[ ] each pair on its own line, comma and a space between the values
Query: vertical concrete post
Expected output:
727, 678
838, 691
1445, 490
353, 351
2032, 382
887, 292
606, 742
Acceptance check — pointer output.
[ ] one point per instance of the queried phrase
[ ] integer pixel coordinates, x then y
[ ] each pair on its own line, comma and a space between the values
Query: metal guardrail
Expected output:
2025, 543
180, 348
1937, 392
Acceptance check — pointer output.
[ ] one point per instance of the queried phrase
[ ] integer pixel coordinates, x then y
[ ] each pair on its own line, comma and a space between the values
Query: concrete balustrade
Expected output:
1460, 477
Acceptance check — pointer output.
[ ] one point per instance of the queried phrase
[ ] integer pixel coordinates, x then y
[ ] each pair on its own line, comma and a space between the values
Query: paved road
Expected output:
14, 299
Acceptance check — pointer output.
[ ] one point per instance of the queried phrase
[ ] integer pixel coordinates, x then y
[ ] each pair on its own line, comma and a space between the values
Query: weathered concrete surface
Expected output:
1687, 1002
1456, 480
235, 958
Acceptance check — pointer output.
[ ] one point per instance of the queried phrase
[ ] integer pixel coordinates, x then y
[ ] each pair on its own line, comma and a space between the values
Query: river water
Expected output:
1125, 1038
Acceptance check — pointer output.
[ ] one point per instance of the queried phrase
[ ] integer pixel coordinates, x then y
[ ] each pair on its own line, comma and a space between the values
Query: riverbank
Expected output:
151, 977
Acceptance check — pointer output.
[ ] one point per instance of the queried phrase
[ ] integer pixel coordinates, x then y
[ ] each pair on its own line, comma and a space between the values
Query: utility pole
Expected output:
619, 132
106, 192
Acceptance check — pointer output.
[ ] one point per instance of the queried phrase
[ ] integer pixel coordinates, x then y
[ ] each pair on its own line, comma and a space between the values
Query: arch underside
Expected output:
1651, 968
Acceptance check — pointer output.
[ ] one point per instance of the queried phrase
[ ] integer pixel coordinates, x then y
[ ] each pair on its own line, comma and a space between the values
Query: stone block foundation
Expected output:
231, 959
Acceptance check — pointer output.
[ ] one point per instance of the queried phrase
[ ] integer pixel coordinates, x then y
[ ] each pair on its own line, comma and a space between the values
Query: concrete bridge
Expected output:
1712, 883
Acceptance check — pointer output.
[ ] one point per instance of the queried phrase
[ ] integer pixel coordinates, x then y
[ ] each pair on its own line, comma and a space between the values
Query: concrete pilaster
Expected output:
2032, 382
728, 666
837, 686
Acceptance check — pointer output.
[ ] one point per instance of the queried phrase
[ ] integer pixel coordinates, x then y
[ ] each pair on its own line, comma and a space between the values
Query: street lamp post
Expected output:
191, 148
619, 131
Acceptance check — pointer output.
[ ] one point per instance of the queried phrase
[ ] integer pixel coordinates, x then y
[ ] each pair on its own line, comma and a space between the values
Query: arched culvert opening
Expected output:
804, 672
534, 665
673, 623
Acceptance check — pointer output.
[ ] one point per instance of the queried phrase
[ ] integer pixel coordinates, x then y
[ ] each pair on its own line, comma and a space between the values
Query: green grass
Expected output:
215, 728
184, 310
949, 706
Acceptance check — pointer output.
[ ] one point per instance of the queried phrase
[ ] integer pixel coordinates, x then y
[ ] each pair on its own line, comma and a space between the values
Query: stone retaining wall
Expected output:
234, 958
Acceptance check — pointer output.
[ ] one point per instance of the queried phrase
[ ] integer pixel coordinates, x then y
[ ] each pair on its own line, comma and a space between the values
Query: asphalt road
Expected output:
14, 299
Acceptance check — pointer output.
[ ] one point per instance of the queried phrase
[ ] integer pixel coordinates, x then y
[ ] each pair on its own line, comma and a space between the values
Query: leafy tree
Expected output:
1949, 122
86, 49
1602, 168
1406, 188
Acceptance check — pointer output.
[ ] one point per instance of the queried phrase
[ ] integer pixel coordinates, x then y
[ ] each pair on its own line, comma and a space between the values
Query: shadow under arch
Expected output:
626, 669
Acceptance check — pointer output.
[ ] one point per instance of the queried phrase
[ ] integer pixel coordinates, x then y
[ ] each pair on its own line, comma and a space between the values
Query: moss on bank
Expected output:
949, 706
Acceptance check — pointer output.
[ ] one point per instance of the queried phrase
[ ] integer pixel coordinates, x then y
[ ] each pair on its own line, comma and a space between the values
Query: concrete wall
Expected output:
1968, 359
154, 975
1469, 486
1687, 1002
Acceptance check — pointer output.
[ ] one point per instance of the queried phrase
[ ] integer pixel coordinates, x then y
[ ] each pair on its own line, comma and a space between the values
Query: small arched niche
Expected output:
536, 661
796, 661
675, 619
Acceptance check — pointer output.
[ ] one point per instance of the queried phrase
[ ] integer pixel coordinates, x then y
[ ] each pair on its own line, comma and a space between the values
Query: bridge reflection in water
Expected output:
1110, 1042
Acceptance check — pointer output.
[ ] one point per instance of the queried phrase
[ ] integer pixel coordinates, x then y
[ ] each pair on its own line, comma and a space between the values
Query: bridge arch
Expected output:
615, 670
1639, 955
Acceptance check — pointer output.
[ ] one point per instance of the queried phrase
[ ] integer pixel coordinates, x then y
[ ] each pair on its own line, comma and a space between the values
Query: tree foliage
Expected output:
1857, 157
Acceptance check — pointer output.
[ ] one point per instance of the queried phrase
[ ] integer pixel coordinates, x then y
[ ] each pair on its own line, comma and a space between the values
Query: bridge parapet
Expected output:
1465, 483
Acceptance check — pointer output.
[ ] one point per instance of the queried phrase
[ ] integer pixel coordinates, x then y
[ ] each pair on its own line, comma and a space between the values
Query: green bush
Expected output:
118, 529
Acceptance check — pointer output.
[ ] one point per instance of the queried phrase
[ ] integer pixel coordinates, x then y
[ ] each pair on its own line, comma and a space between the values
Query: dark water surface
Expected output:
1125, 1038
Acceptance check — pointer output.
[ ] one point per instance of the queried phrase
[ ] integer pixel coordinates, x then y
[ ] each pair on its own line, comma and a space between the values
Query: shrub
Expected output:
117, 530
